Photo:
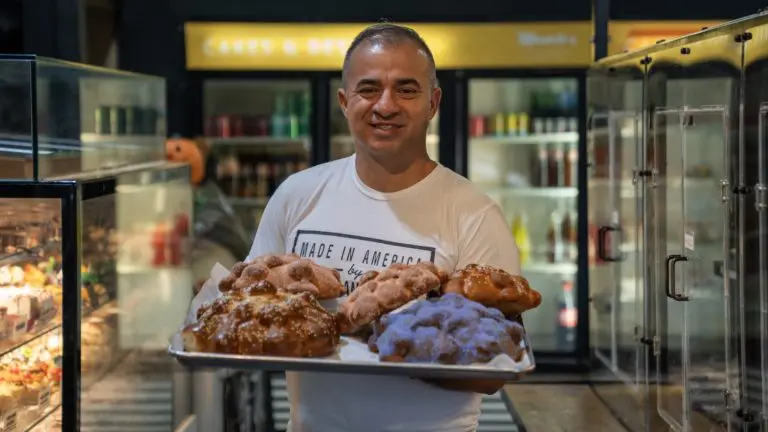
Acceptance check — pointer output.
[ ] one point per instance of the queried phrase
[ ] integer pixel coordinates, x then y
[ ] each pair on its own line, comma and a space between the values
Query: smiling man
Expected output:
387, 203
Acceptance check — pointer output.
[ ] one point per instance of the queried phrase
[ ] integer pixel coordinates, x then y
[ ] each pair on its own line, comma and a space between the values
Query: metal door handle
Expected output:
670, 277
602, 234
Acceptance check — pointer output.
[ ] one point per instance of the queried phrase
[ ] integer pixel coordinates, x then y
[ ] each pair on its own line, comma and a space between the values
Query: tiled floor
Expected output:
561, 408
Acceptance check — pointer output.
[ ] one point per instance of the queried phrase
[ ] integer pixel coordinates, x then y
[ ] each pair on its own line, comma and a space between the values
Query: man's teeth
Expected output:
385, 127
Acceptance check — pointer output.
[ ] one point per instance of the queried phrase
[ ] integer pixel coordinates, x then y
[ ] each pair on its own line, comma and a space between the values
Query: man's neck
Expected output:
392, 176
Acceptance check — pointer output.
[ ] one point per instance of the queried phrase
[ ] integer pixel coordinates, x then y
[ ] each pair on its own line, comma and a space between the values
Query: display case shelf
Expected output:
532, 192
544, 138
300, 143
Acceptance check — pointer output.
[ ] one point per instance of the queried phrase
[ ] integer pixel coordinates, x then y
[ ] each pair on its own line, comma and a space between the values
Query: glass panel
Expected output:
603, 276
705, 243
342, 144
92, 118
30, 310
754, 165
668, 195
16, 119
137, 285
88, 118
761, 205
259, 132
523, 148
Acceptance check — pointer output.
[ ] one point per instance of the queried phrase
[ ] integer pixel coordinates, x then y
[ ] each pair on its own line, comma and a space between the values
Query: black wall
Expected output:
398, 10
10, 27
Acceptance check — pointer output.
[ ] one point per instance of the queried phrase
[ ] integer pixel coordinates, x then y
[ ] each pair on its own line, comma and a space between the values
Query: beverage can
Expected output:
538, 126
512, 124
499, 128
522, 123
476, 126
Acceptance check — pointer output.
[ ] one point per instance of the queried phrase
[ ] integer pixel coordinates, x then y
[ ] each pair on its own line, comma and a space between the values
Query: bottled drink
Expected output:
569, 231
523, 240
555, 169
305, 114
293, 115
279, 121
262, 180
554, 239
541, 166
570, 165
567, 317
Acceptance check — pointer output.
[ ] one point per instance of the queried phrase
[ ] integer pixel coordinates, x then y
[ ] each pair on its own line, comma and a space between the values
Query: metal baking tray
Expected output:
367, 364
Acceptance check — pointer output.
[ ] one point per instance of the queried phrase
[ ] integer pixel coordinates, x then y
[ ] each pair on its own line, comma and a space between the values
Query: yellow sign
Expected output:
265, 46
635, 35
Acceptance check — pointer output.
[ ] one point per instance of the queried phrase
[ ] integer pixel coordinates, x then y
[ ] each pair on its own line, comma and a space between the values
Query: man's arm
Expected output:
486, 240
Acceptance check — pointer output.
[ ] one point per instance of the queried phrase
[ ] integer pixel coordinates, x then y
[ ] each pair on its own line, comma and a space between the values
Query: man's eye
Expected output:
367, 90
408, 91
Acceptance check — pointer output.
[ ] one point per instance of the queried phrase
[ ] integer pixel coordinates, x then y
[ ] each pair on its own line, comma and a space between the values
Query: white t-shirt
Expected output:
327, 214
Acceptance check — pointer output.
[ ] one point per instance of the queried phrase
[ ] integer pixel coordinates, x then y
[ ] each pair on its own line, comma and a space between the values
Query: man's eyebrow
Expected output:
408, 81
368, 81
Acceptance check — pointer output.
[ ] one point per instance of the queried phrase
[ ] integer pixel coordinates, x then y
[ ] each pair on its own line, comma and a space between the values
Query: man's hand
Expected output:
482, 386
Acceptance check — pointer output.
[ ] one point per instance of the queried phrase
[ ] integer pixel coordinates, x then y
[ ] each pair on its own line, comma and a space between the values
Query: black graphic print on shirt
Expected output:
354, 255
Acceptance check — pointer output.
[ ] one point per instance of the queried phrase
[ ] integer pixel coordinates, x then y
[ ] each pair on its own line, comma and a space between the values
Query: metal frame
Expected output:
68, 192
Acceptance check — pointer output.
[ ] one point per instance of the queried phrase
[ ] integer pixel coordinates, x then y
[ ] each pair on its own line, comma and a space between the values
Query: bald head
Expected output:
388, 35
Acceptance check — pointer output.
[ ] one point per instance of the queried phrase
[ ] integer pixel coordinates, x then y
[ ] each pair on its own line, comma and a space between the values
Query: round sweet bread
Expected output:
262, 320
289, 273
381, 292
493, 287
449, 330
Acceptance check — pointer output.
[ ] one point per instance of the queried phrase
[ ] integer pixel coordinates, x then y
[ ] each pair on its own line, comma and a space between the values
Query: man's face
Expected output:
389, 98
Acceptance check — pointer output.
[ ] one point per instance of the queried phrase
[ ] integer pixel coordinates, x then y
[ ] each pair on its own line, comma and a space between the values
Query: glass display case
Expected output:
523, 152
94, 264
259, 132
342, 144
684, 160
58, 119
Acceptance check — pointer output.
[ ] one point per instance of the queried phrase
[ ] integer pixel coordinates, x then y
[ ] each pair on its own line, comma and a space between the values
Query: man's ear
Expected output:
342, 97
434, 101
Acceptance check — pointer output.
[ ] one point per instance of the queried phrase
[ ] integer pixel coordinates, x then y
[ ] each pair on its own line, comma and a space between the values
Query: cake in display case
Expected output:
95, 233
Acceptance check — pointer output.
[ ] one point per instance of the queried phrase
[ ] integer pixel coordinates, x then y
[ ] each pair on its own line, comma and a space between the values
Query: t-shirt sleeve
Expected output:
271, 234
487, 239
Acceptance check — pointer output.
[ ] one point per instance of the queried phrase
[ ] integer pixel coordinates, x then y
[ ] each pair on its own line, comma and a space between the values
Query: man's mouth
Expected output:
385, 126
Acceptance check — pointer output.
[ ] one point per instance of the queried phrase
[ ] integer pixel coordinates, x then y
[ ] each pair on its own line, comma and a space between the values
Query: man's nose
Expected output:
387, 105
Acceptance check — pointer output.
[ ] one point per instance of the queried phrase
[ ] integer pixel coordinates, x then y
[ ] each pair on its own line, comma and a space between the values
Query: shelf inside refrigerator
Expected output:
541, 138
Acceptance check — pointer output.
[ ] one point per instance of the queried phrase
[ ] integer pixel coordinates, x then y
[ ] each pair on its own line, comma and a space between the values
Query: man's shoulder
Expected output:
310, 179
462, 193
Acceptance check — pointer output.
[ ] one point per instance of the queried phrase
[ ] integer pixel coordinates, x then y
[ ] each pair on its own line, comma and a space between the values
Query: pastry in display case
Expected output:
95, 231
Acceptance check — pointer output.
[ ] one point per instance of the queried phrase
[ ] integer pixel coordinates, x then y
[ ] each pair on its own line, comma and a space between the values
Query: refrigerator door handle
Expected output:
672, 260
602, 237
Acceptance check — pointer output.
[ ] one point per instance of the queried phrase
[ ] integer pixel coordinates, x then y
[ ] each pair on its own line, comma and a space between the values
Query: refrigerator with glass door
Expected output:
524, 139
